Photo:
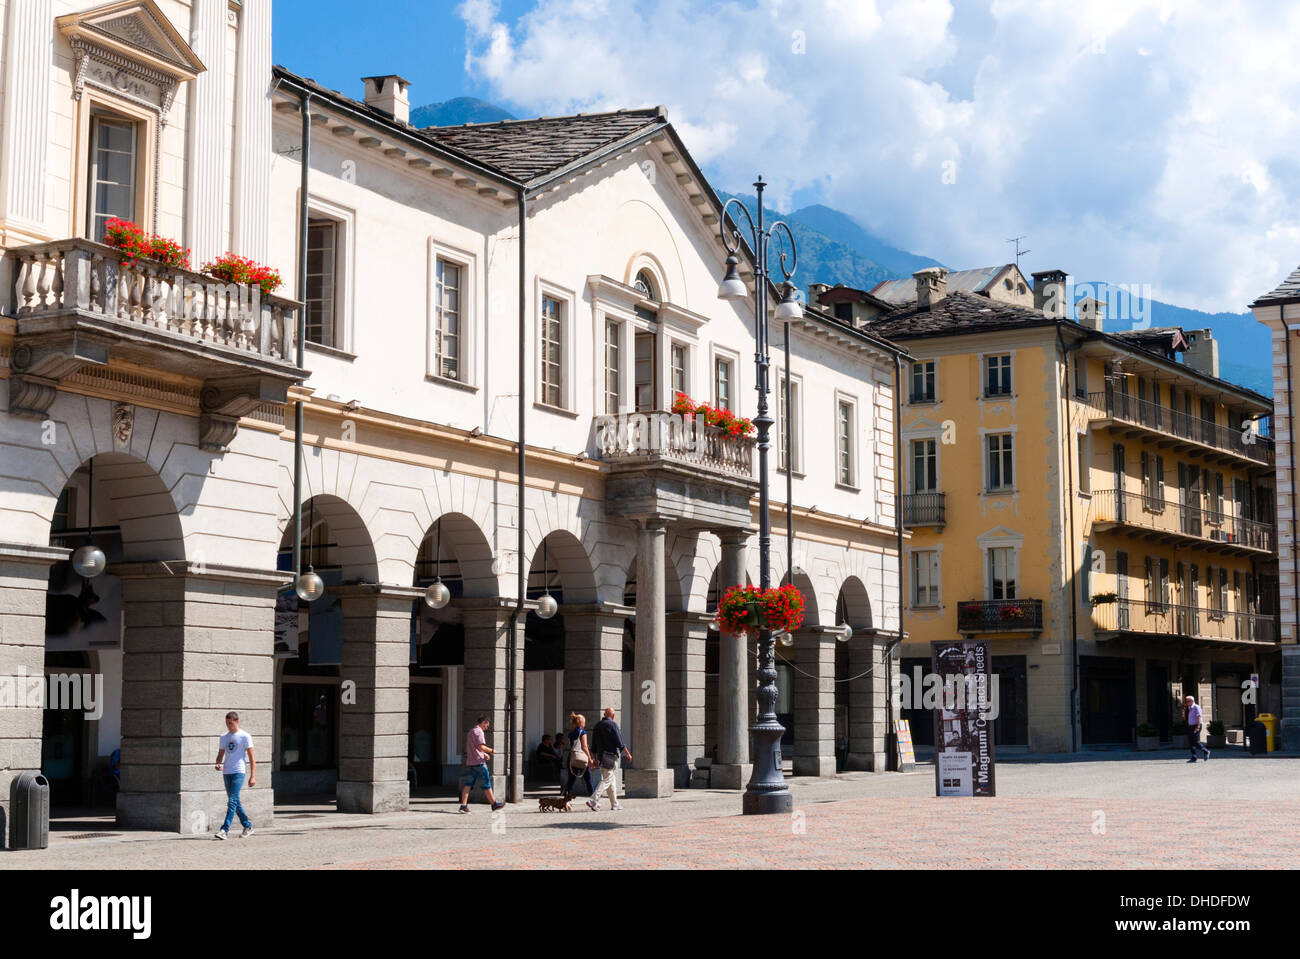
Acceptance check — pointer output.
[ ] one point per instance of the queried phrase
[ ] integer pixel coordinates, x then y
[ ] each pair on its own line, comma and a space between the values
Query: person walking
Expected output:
1193, 713
477, 754
579, 756
608, 743
234, 759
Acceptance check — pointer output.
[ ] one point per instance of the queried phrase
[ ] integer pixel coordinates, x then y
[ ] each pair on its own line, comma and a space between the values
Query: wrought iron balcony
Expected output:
1207, 528
1184, 622
78, 303
1171, 423
925, 509
1000, 616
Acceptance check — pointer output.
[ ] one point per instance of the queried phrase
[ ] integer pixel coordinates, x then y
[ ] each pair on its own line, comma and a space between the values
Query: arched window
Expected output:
645, 283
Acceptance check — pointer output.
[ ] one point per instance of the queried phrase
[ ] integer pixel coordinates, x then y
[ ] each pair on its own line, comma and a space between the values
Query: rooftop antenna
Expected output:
1019, 252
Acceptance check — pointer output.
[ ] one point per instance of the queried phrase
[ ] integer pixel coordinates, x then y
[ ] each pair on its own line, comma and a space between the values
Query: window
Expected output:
552, 351
923, 382
925, 578
447, 331
1148, 481
722, 383
644, 371
1085, 470
678, 362
845, 466
997, 377
1164, 582
790, 428
1160, 483
613, 367
1002, 573
1218, 499
114, 165
1001, 473
1080, 377
925, 466
322, 282
1223, 589
645, 285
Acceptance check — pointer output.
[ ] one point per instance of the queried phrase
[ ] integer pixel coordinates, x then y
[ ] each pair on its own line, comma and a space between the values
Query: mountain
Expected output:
843, 229
452, 113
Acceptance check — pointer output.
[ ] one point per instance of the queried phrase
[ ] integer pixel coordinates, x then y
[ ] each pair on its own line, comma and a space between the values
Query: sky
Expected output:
1147, 142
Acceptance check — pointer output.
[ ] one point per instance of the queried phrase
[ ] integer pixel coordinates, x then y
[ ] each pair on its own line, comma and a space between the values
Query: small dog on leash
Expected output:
557, 804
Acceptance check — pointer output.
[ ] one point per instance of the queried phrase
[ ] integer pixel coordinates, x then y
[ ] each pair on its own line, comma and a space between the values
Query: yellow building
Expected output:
1099, 510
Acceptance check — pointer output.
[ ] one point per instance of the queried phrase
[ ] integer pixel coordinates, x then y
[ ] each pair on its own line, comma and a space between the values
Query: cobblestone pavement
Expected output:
1117, 812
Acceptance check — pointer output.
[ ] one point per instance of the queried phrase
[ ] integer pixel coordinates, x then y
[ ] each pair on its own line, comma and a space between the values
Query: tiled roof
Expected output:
901, 292
529, 149
1288, 289
958, 312
1160, 339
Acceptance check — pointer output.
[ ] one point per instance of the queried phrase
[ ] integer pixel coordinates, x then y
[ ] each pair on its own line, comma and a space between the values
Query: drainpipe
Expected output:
301, 335
1069, 493
512, 694
891, 751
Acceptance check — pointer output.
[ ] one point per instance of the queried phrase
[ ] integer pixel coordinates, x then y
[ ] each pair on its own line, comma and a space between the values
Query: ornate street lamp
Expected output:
766, 791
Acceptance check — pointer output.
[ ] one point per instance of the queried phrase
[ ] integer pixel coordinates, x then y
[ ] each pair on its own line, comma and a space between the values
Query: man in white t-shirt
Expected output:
235, 746
1194, 728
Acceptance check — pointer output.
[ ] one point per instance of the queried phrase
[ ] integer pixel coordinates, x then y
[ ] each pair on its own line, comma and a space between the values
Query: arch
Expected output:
335, 537
466, 557
567, 567
128, 494
853, 605
673, 596
812, 610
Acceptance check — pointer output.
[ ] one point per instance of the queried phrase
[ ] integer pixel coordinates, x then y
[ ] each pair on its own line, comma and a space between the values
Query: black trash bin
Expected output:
1258, 735
29, 811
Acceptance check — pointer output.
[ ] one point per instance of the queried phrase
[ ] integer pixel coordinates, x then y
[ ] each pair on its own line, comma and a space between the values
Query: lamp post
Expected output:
766, 792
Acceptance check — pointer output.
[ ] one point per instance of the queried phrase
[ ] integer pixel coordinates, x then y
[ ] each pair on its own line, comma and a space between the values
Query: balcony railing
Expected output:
97, 281
1161, 419
641, 437
999, 615
1184, 622
925, 509
1150, 513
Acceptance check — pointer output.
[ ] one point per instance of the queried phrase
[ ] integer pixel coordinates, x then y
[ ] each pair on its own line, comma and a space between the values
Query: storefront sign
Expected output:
963, 729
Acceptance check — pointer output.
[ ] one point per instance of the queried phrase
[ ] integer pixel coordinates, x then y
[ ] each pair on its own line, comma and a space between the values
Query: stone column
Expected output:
24, 576
650, 777
814, 702
1290, 731
490, 686
208, 134
735, 686
686, 636
593, 662
197, 643
24, 135
868, 713
375, 706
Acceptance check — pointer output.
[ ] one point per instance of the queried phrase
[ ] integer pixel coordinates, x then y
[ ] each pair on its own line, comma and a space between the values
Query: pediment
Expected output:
137, 31
1000, 535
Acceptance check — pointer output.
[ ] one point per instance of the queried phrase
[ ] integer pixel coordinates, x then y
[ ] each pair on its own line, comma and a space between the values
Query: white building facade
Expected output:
152, 409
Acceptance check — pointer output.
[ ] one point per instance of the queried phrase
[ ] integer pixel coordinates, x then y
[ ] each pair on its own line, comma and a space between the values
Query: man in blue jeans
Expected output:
235, 745
1194, 728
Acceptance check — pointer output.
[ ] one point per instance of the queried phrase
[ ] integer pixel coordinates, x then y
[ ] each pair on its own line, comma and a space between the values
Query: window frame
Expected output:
985, 359
986, 436
467, 365
931, 374
566, 299
796, 400
845, 401
344, 220
93, 102
933, 561
723, 359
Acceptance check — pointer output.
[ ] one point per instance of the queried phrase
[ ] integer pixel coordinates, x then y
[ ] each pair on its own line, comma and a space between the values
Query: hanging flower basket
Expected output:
717, 417
747, 609
137, 244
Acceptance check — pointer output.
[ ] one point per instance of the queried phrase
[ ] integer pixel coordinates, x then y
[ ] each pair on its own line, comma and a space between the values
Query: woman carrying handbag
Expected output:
579, 756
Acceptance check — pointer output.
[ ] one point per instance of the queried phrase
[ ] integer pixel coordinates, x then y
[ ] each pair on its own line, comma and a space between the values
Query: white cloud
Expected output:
1145, 141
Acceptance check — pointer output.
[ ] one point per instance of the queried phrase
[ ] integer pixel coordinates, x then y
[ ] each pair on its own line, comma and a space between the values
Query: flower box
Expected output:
716, 417
137, 244
237, 269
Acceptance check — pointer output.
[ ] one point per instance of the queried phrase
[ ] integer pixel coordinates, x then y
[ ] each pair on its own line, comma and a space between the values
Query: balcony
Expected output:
925, 509
80, 304
1178, 430
673, 466
1000, 616
1137, 617
1169, 522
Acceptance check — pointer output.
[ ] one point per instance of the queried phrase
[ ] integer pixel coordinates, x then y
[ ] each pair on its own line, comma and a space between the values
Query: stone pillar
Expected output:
491, 687
735, 686
24, 135
650, 777
1290, 731
686, 636
197, 643
24, 576
868, 712
814, 702
593, 662
207, 134
375, 706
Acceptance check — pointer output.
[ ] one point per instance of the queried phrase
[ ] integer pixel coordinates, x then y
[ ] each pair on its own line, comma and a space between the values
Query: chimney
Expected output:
1090, 312
1202, 353
931, 287
389, 94
815, 291
1049, 292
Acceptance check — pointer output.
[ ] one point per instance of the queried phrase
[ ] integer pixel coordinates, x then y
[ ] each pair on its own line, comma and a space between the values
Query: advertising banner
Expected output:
963, 731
